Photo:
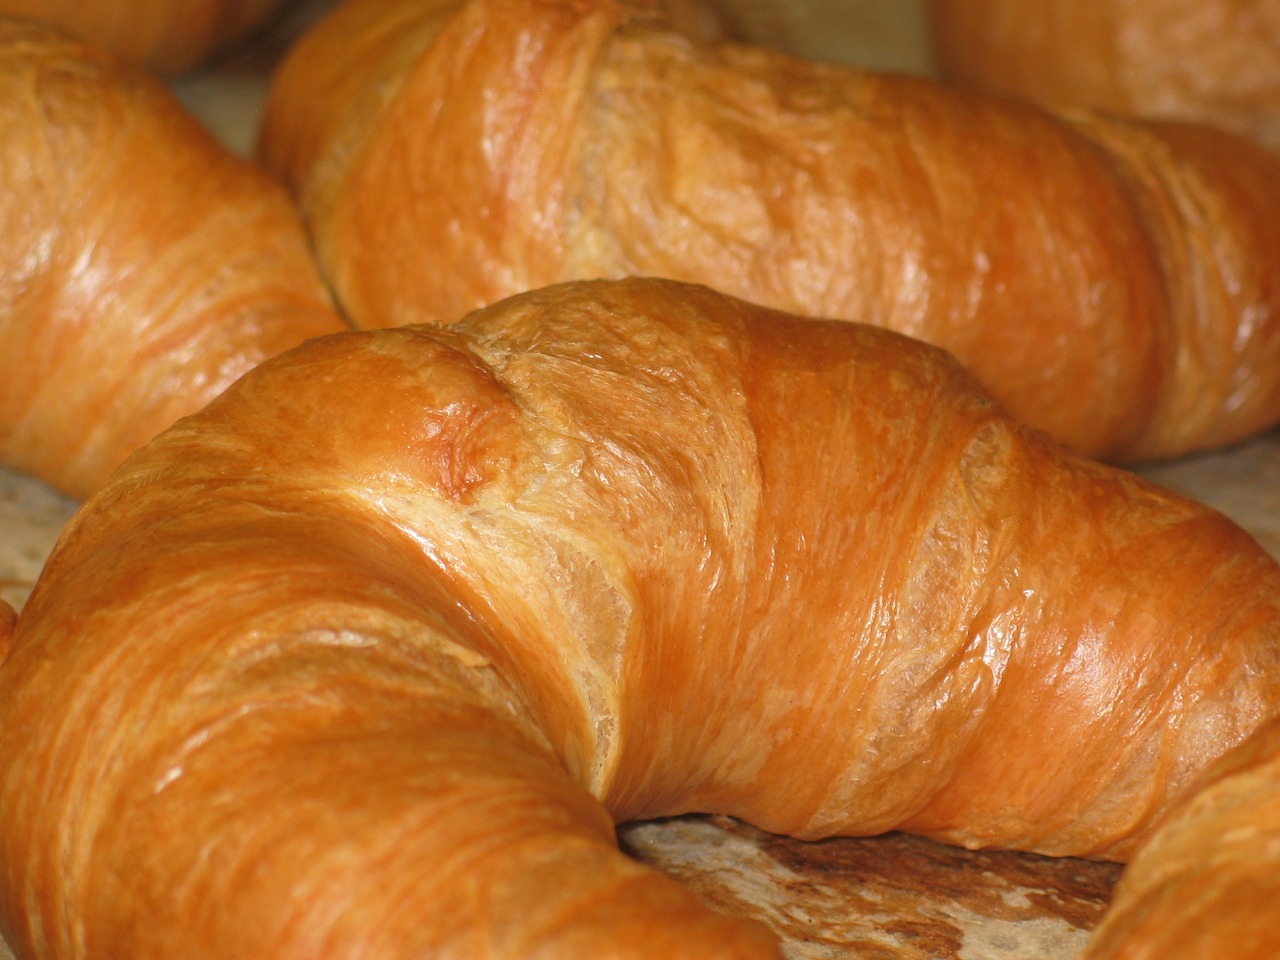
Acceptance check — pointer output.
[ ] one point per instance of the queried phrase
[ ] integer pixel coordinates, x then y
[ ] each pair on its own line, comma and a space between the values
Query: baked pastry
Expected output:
1205, 61
1206, 884
142, 266
367, 657
167, 36
1115, 283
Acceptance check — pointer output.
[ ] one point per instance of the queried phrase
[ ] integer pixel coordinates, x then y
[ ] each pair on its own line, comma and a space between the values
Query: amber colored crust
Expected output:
1206, 61
1207, 885
367, 657
166, 36
1114, 283
142, 266
8, 618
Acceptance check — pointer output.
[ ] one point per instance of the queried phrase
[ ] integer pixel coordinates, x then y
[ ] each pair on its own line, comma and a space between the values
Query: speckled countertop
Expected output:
890, 898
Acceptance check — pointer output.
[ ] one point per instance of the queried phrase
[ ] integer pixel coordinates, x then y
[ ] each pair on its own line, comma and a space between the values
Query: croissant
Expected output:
1207, 884
1114, 283
1209, 61
142, 266
166, 36
367, 657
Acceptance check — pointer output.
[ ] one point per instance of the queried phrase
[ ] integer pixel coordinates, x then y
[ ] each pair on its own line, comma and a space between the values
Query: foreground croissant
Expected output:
142, 267
1117, 284
366, 658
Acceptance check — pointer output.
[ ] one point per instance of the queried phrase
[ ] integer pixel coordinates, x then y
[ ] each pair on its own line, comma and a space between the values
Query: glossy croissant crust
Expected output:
1115, 283
1208, 61
366, 658
142, 266
166, 36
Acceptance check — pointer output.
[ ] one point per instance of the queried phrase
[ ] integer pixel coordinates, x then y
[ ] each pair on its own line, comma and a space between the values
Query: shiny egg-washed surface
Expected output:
892, 897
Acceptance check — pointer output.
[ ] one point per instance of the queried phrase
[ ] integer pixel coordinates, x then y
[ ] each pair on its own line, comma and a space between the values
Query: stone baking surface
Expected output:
894, 897
885, 898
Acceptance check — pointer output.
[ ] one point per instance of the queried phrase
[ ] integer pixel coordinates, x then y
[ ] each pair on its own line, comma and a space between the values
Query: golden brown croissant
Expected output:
366, 658
1117, 284
167, 36
1207, 885
142, 267
1211, 61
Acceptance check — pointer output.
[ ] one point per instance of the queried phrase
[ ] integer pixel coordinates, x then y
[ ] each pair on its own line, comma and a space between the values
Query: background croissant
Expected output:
166, 36
1113, 282
365, 658
142, 267
1210, 62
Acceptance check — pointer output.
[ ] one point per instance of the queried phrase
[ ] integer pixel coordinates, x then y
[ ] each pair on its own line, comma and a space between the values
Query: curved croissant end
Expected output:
366, 658
167, 36
1206, 884
142, 267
